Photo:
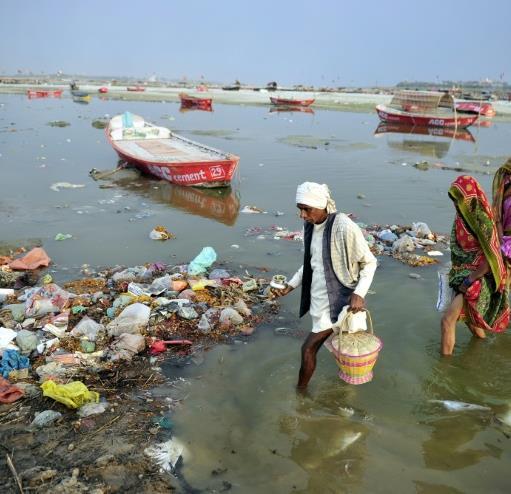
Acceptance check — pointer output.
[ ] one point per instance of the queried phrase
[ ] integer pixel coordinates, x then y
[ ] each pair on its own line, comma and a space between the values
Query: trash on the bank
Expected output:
252, 210
203, 261
47, 279
421, 230
54, 330
403, 244
460, 406
52, 369
45, 418
414, 260
78, 309
134, 343
89, 328
5, 292
242, 307
249, 285
387, 236
230, 317
160, 346
63, 236
187, 312
166, 454
9, 393
218, 274
131, 320
435, 253
92, 409
65, 185
36, 258
73, 394
279, 281
160, 233
27, 341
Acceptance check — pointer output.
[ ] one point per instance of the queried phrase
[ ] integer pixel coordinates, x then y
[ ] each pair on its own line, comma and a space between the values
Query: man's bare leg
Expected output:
448, 325
310, 348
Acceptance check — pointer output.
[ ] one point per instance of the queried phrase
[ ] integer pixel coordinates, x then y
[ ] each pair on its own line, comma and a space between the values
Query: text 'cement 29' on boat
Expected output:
159, 152
424, 108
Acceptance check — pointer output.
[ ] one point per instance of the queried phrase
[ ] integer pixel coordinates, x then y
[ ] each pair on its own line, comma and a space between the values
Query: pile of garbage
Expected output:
53, 338
403, 242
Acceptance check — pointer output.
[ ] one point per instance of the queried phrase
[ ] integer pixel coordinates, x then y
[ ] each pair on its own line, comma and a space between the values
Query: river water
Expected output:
243, 424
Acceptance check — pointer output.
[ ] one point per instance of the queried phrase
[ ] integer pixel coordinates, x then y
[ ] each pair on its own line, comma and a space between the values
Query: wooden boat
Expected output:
136, 88
78, 93
188, 101
37, 93
425, 109
484, 109
291, 101
160, 152
103, 90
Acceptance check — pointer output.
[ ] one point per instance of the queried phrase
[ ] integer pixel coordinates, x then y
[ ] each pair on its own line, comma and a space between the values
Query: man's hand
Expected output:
280, 292
357, 303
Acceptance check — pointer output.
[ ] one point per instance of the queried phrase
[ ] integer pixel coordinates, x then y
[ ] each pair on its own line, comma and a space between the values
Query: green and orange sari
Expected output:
474, 238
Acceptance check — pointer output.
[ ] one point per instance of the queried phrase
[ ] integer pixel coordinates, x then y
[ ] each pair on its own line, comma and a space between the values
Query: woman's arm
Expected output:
475, 275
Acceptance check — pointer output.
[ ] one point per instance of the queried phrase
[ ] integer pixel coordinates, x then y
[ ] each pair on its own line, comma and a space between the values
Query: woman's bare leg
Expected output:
478, 332
448, 325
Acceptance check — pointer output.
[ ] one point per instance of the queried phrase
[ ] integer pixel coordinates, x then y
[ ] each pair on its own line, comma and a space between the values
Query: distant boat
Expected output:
37, 93
78, 93
188, 101
291, 101
103, 90
234, 87
159, 152
136, 88
475, 107
425, 109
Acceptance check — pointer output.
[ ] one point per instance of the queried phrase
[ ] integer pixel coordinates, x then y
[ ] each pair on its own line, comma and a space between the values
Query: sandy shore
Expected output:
341, 101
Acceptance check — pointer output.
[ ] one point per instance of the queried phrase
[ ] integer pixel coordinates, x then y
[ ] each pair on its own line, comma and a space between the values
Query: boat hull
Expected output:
424, 120
474, 107
194, 102
44, 94
291, 102
138, 89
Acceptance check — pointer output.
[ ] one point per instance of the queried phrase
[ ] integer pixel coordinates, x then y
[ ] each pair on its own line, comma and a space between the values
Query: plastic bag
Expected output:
203, 261
445, 292
403, 244
73, 395
132, 342
351, 322
88, 328
45, 418
131, 320
421, 230
32, 260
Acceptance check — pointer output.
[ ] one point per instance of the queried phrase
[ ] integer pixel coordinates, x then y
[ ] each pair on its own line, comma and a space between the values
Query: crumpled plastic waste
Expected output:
159, 285
36, 258
166, 454
134, 343
203, 261
49, 298
45, 418
6, 337
65, 185
12, 360
131, 320
229, 317
51, 369
403, 244
421, 230
5, 292
249, 285
92, 409
89, 328
73, 394
63, 236
218, 274
387, 236
27, 341
55, 330
9, 393
252, 210
160, 233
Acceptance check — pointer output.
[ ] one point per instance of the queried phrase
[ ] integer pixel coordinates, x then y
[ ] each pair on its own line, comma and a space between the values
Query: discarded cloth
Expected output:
9, 392
73, 394
12, 360
34, 259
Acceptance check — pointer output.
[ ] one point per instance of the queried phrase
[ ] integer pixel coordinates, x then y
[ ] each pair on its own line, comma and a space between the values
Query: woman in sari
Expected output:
502, 207
478, 273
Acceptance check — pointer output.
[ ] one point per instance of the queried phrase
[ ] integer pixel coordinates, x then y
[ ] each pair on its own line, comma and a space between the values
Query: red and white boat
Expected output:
36, 93
136, 88
484, 109
424, 109
159, 152
103, 90
291, 101
188, 101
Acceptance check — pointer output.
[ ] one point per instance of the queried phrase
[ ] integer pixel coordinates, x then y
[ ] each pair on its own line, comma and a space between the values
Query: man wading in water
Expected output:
337, 270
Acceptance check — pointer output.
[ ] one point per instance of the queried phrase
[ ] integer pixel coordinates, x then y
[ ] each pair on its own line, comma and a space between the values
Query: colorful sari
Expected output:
502, 207
475, 238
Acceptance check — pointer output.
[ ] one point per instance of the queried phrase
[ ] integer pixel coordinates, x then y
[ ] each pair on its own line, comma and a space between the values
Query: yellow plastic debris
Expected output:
73, 394
201, 284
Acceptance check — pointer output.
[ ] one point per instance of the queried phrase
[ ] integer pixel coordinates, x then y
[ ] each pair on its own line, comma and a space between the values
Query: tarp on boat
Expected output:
423, 101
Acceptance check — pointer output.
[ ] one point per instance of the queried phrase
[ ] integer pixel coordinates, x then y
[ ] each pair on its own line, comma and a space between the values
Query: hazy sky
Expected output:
321, 42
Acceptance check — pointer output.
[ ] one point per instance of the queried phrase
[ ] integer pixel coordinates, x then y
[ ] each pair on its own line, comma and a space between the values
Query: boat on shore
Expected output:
103, 90
279, 101
476, 107
189, 101
78, 93
424, 109
138, 89
159, 152
37, 93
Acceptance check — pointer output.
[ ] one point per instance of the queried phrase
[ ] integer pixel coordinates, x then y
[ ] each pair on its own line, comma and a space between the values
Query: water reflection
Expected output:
459, 439
185, 108
285, 109
435, 143
220, 204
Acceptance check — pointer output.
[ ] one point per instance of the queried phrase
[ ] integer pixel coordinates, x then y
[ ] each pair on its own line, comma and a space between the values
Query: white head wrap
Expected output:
316, 196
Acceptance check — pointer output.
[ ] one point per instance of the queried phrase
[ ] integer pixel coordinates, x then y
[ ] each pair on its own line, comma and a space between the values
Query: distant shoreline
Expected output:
331, 100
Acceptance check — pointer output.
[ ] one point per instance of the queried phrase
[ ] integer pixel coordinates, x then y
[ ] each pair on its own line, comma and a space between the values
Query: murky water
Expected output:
242, 419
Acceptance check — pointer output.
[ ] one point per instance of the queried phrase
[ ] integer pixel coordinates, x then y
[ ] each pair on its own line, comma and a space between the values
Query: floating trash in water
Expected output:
460, 406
